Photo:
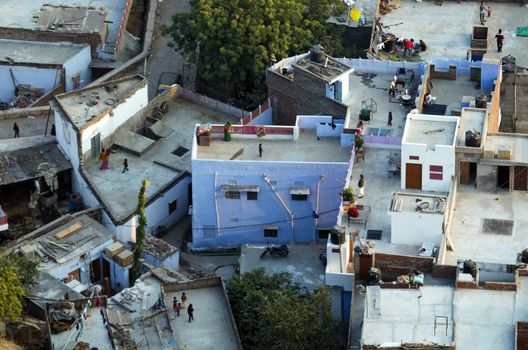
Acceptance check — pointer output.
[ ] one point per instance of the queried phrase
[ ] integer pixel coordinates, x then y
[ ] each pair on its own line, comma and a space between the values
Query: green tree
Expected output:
140, 232
232, 41
272, 312
17, 275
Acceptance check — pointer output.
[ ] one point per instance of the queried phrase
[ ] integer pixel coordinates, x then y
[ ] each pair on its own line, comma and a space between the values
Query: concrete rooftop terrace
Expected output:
329, 70
472, 207
517, 143
364, 86
213, 326
158, 164
38, 52
431, 131
470, 119
447, 29
395, 316
306, 149
451, 92
430, 204
84, 105
19, 13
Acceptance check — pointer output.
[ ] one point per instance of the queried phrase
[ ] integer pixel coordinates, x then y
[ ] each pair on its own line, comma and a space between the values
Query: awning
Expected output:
239, 188
300, 190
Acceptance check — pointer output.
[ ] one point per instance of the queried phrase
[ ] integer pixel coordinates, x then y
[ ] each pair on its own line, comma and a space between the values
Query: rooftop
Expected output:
302, 262
49, 288
395, 316
470, 119
21, 14
499, 242
213, 325
37, 52
365, 86
158, 248
328, 70
70, 241
447, 27
158, 163
306, 149
29, 159
430, 130
32, 123
424, 203
452, 93
84, 106
517, 144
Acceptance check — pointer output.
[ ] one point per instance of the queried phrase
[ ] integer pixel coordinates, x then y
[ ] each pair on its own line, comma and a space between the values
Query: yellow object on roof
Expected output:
355, 14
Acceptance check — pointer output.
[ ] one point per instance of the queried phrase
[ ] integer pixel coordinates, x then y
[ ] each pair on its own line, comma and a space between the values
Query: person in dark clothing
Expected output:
53, 132
125, 165
190, 311
361, 186
482, 12
260, 150
500, 39
389, 120
17, 130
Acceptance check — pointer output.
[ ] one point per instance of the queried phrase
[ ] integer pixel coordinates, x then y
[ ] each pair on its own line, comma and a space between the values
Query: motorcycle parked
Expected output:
281, 251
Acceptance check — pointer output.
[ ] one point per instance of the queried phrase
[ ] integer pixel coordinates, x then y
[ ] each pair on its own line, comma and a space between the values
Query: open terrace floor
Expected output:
365, 86
493, 246
447, 28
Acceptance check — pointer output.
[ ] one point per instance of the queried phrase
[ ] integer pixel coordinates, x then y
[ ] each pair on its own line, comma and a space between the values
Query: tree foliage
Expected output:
232, 41
272, 312
140, 232
17, 274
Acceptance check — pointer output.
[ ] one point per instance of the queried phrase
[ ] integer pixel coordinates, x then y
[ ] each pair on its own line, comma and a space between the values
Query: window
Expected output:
252, 196
232, 195
271, 231
436, 172
180, 151
173, 206
299, 197
96, 146
323, 233
209, 231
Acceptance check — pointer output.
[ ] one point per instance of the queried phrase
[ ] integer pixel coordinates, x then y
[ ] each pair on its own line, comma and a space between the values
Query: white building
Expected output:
428, 152
52, 67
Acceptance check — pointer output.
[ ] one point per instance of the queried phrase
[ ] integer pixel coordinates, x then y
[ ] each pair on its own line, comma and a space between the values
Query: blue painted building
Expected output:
289, 195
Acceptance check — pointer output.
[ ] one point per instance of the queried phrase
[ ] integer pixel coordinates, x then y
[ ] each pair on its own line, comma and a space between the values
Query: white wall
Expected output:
43, 78
441, 155
61, 271
171, 261
414, 228
79, 64
107, 125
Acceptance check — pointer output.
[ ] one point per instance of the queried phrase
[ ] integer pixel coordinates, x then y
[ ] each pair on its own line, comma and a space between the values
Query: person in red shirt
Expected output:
408, 47
500, 39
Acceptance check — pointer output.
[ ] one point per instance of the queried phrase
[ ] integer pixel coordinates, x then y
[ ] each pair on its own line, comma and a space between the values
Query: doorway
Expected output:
96, 145
520, 179
413, 176
468, 173
503, 177
96, 271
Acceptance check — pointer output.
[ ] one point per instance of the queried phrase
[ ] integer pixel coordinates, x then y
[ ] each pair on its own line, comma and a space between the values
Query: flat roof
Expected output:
422, 203
306, 149
328, 70
466, 233
84, 105
516, 143
158, 163
49, 288
471, 119
213, 326
430, 130
20, 13
364, 86
158, 247
70, 241
395, 316
447, 28
38, 52
30, 159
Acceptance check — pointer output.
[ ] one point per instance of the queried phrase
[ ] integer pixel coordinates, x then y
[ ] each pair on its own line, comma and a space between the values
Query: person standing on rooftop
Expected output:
500, 39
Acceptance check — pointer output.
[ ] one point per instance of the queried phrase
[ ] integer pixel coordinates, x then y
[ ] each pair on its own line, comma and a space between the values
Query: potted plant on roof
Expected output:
227, 131
358, 141
348, 196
